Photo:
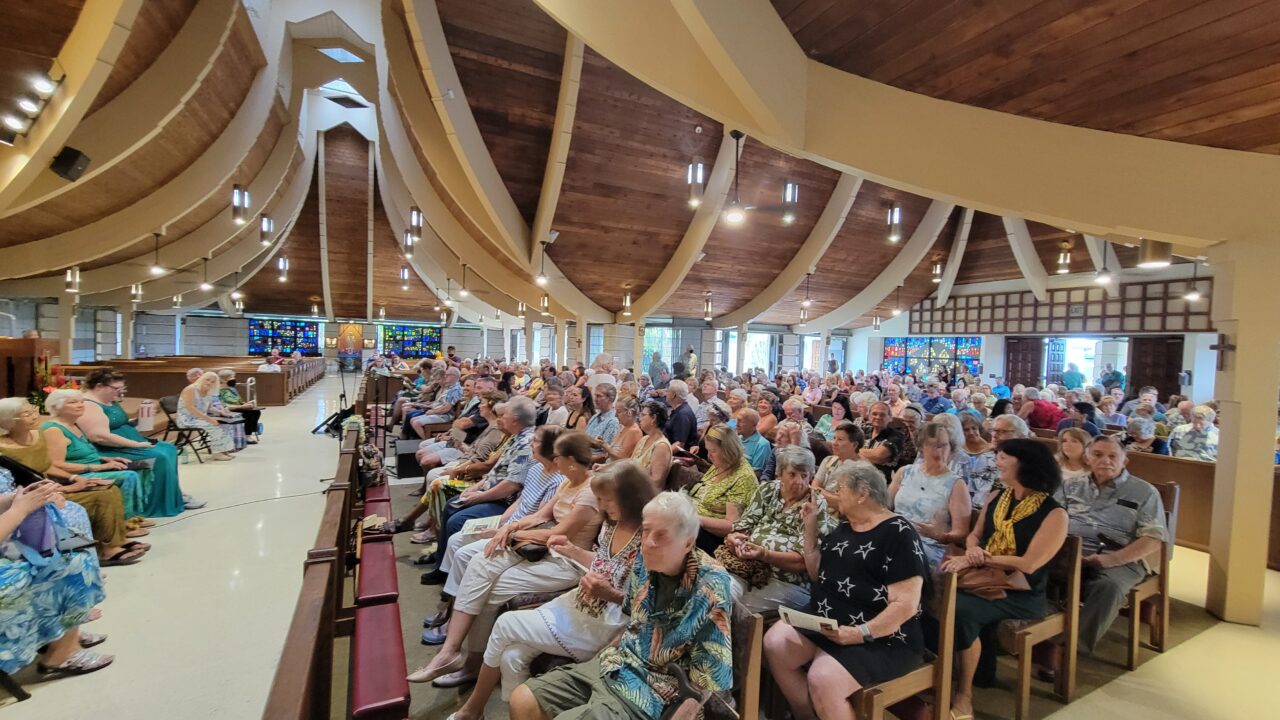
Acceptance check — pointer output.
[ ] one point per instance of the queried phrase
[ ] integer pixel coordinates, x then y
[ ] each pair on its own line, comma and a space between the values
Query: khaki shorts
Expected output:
577, 692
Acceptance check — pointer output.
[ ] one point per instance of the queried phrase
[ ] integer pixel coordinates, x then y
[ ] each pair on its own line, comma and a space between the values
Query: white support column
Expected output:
66, 326
637, 350
558, 356
578, 352
824, 343
1024, 251
530, 338
956, 257
742, 350
126, 330
1245, 386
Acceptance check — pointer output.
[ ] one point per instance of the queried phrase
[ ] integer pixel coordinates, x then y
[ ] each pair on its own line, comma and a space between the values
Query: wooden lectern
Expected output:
19, 358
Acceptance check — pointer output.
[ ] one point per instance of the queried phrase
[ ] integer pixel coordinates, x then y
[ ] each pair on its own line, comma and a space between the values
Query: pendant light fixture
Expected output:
897, 302
205, 285
235, 288
1154, 254
735, 213
546, 305
177, 301
463, 292
415, 221
404, 277
156, 268
790, 198
407, 248
1193, 292
382, 313
895, 223
239, 306
1064, 257
239, 205
448, 292
73, 279
804, 317
266, 226
541, 279
282, 264
807, 300
706, 306
875, 323
696, 177
315, 310
520, 308
626, 304
444, 317
1103, 276
937, 272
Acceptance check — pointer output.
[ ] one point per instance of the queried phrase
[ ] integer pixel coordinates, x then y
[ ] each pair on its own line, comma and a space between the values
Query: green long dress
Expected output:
81, 451
164, 494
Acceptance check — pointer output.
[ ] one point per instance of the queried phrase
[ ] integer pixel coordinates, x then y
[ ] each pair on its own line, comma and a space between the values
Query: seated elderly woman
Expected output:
98, 503
1141, 437
978, 458
229, 394
107, 426
794, 410
768, 419
579, 623
44, 599
1198, 439
628, 434
763, 554
515, 560
432, 455
931, 494
1020, 530
840, 411
724, 490
846, 441
872, 597
677, 600
71, 452
196, 410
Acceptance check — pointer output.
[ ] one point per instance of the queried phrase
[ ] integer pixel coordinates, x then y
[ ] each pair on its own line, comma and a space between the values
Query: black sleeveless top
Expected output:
1023, 531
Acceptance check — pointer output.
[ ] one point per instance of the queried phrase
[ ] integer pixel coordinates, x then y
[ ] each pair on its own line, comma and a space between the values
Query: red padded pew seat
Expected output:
379, 690
377, 493
376, 582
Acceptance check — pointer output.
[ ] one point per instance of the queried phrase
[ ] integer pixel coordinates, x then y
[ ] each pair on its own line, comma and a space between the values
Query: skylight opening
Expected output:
342, 55
341, 86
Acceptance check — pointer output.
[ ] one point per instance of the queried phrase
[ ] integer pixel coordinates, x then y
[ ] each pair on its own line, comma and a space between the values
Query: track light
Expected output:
282, 264
408, 245
239, 205
14, 123
404, 277
44, 85
1064, 262
315, 310
626, 304
265, 227
1154, 254
895, 223
205, 285
706, 306
520, 308
29, 104
177, 301
73, 279
546, 305
695, 176
463, 292
1103, 276
937, 272
804, 316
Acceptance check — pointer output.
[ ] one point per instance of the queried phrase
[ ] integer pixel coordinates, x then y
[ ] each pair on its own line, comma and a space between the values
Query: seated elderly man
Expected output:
758, 451
794, 408
1180, 414
677, 598
446, 403
682, 425
604, 426
707, 391
1197, 439
1009, 427
893, 397
1147, 394
1120, 518
934, 403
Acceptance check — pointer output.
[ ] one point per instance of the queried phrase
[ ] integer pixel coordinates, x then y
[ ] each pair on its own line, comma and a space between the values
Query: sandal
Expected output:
392, 527
137, 545
137, 521
137, 533
124, 557
426, 537
88, 640
80, 663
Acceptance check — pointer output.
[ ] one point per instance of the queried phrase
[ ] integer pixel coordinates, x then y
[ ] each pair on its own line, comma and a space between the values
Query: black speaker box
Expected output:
70, 163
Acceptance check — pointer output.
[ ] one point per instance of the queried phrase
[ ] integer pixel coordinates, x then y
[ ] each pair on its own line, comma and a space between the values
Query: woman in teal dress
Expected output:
107, 426
71, 451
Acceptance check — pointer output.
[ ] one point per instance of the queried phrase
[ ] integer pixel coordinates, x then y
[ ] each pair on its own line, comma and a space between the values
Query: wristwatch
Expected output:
866, 633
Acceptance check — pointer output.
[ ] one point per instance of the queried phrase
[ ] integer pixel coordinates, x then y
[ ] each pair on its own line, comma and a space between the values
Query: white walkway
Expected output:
197, 627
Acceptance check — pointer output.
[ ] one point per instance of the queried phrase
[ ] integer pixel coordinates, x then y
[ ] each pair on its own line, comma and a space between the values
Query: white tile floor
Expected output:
197, 628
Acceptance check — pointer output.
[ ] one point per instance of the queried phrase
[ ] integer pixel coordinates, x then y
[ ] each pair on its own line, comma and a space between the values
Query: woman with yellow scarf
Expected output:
1019, 530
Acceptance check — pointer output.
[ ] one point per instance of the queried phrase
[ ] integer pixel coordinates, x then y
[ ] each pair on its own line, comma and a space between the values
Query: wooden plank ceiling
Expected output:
509, 54
742, 260
418, 301
201, 121
264, 293
157, 23
1185, 70
346, 216
31, 36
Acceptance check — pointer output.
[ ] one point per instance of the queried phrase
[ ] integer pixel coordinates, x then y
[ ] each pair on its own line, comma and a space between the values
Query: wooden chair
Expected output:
1018, 637
1152, 594
748, 666
12, 687
869, 703
194, 438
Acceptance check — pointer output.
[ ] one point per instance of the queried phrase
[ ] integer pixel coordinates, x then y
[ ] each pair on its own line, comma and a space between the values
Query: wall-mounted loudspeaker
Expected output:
70, 163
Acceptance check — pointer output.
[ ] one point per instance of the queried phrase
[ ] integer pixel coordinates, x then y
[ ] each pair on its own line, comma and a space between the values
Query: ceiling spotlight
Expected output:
205, 285
382, 313
239, 205
448, 292
1064, 262
282, 264
695, 176
1154, 254
239, 306
1193, 292
156, 268
236, 295
790, 193
444, 317
404, 277
735, 213
1103, 276
135, 291
29, 104
73, 279
14, 123
265, 228
415, 221
626, 304
463, 292
44, 85
895, 223
804, 316
706, 306
235, 288
408, 245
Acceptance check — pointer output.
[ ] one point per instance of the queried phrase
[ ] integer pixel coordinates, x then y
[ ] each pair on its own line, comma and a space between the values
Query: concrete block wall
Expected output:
495, 346
619, 343
47, 320
154, 335
468, 341
709, 352
24, 314
789, 352
105, 327
203, 335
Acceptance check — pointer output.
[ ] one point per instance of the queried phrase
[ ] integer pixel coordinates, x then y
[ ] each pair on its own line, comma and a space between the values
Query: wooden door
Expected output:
1057, 360
1023, 360
1156, 361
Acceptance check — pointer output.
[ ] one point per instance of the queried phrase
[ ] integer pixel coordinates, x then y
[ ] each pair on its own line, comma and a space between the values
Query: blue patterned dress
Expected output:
40, 601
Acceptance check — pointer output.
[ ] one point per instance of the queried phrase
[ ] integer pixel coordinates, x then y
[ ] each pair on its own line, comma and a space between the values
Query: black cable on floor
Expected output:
197, 513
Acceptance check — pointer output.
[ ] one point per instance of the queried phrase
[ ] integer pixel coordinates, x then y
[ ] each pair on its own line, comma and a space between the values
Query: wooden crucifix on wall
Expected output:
1223, 347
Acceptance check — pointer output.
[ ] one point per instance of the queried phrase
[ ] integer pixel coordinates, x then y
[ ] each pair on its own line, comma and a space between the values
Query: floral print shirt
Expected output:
769, 523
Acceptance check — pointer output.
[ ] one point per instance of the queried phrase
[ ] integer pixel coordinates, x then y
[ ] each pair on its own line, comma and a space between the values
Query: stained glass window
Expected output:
285, 335
922, 356
411, 341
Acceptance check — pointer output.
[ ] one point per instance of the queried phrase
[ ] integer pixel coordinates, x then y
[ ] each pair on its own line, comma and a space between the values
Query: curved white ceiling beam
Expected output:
1024, 251
561, 136
1103, 255
170, 201
87, 58
491, 206
139, 113
566, 299
926, 233
695, 236
1107, 184
806, 258
956, 257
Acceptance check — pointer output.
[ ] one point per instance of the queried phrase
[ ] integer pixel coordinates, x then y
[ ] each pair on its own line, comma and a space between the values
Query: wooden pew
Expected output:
158, 377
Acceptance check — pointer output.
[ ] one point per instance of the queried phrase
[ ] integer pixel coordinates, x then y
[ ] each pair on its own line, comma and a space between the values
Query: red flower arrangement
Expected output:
48, 379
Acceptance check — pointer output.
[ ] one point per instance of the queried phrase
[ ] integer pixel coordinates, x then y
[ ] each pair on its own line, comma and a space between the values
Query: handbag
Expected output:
988, 583
36, 533
533, 552
754, 572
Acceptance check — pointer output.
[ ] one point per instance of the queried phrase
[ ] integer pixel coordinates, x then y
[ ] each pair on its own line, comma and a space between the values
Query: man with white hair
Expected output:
1181, 414
1197, 439
677, 598
794, 409
1009, 427
934, 403
441, 411
682, 425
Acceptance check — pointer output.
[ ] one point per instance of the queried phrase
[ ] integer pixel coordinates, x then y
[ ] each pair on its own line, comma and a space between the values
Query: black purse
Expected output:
22, 474
533, 552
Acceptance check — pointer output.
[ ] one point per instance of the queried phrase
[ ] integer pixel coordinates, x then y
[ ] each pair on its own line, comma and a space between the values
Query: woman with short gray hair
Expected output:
931, 493
763, 553
1141, 437
871, 598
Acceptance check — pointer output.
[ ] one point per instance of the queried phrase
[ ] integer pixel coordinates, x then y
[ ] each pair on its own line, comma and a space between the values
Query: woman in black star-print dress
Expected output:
868, 577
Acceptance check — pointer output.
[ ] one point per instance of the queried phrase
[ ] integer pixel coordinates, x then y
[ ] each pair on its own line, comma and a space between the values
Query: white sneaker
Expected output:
192, 503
